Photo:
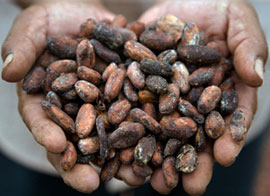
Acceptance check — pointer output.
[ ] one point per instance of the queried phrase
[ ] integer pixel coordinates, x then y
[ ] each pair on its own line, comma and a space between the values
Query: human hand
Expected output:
231, 27
23, 45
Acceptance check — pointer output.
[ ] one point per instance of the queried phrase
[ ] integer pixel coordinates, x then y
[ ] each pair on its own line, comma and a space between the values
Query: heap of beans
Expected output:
149, 96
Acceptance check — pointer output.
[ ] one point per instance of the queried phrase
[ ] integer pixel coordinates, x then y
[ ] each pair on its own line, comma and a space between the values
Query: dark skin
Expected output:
231, 27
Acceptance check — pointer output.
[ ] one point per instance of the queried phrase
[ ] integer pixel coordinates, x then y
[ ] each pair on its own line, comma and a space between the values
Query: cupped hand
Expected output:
23, 45
232, 27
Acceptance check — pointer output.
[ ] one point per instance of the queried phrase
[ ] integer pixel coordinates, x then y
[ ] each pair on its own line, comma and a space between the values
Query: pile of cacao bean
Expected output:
147, 96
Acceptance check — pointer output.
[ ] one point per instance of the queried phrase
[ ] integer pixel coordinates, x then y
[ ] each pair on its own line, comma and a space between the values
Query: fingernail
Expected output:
7, 61
259, 67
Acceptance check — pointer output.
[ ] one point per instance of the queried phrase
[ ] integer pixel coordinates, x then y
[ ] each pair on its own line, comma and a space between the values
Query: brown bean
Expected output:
85, 120
105, 53
154, 67
59, 117
157, 40
53, 98
201, 76
191, 35
146, 96
214, 125
64, 82
129, 91
171, 24
126, 136
127, 155
87, 29
180, 128
107, 35
218, 75
166, 118
89, 145
168, 102
69, 157
110, 169
187, 159
187, 109
86, 54
46, 59
63, 66
149, 108
62, 47
170, 174
227, 84
142, 170
228, 101
194, 95
180, 76
114, 84
150, 123
157, 84
126, 34
137, 27
118, 111
199, 55
157, 157
87, 91
32, 82
172, 146
238, 126
89, 75
135, 75
71, 109
208, 99
200, 139
168, 56
70, 94
104, 147
144, 150
107, 72
137, 51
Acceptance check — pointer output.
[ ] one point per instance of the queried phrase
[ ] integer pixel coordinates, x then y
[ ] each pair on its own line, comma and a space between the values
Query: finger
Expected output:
226, 148
158, 183
81, 177
28, 35
247, 42
127, 175
24, 43
196, 182
44, 130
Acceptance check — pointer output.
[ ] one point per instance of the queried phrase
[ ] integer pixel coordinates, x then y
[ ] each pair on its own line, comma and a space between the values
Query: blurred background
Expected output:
12, 129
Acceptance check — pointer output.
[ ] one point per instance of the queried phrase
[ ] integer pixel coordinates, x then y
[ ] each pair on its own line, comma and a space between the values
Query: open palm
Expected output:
24, 44
232, 27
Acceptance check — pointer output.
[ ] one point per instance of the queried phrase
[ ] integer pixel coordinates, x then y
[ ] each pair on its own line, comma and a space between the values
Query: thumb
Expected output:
246, 40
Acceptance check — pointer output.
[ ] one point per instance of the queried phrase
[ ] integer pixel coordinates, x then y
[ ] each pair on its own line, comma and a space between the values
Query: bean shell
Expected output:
85, 120
87, 92
135, 75
59, 117
126, 136
199, 55
157, 84
180, 128
118, 111
168, 102
69, 157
